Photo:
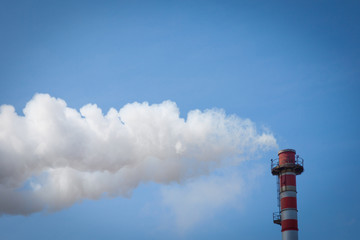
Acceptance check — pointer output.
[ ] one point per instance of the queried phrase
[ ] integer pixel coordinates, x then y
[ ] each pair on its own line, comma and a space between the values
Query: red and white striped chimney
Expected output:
286, 167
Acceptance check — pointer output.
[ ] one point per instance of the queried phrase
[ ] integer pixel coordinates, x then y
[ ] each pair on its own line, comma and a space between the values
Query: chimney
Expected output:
286, 167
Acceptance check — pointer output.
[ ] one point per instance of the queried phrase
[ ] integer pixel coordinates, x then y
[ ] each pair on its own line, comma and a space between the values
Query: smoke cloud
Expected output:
54, 155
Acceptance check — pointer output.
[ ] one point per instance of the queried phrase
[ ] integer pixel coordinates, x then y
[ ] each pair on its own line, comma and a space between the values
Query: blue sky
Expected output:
292, 68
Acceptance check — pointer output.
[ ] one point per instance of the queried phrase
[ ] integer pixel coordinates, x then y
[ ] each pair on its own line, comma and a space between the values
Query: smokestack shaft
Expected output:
288, 206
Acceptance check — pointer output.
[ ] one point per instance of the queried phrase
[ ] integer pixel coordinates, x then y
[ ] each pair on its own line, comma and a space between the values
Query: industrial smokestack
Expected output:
286, 167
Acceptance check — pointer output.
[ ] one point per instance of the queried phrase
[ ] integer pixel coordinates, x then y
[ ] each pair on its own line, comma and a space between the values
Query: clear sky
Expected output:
291, 67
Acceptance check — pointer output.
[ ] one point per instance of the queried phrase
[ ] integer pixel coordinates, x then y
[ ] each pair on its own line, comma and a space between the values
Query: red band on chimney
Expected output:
289, 224
287, 179
288, 202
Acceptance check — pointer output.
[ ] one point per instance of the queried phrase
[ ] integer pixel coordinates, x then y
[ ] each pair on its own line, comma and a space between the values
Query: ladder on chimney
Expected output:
277, 215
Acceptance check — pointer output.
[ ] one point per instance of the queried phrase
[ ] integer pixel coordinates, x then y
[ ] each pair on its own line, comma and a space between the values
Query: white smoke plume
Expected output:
54, 156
